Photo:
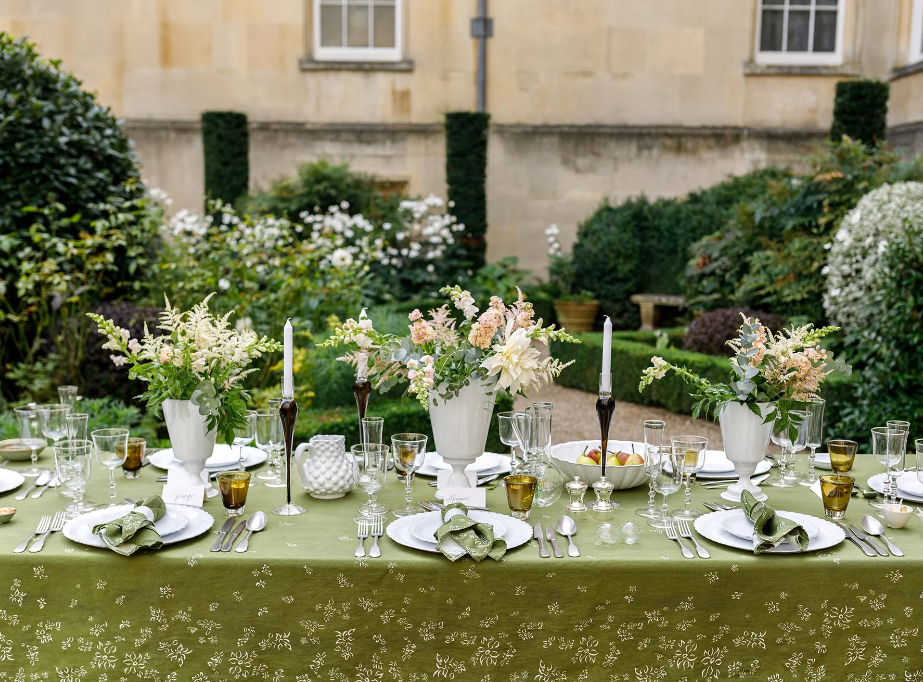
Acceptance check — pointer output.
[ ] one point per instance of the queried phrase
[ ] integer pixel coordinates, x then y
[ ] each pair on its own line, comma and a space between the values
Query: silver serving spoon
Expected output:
873, 526
255, 523
568, 527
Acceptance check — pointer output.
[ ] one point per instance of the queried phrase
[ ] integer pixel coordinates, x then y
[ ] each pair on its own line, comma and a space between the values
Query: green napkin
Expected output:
770, 529
127, 534
460, 535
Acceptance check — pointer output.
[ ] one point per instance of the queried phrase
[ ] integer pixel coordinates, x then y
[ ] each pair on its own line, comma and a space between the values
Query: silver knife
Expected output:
232, 536
554, 542
225, 527
537, 534
862, 536
852, 538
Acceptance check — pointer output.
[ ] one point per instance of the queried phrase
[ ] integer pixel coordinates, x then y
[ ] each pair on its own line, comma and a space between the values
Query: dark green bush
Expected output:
226, 146
710, 332
466, 177
860, 111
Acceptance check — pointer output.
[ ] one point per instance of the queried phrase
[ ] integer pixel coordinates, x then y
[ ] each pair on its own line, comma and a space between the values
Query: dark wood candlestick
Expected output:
362, 389
605, 408
288, 412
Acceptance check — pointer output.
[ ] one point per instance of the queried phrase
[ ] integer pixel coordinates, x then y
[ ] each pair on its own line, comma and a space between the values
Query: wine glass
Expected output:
77, 425
67, 395
29, 422
815, 435
788, 477
73, 466
691, 452
903, 427
919, 451
372, 459
408, 450
54, 421
508, 436
888, 446
111, 450
668, 478
270, 439
522, 428
244, 436
549, 480
373, 430
653, 440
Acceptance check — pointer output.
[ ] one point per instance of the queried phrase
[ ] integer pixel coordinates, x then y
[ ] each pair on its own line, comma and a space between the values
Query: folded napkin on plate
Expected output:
127, 534
770, 529
460, 535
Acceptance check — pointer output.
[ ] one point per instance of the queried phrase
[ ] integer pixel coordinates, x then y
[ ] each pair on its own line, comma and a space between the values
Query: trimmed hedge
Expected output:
466, 177
226, 146
860, 111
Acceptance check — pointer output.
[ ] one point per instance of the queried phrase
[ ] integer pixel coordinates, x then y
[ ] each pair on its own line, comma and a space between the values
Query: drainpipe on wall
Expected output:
482, 28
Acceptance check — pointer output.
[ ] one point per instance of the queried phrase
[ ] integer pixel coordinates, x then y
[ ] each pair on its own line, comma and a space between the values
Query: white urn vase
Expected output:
460, 426
190, 439
746, 439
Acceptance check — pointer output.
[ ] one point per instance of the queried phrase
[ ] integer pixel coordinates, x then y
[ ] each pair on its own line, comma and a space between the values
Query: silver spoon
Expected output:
873, 526
567, 527
42, 479
865, 492
255, 523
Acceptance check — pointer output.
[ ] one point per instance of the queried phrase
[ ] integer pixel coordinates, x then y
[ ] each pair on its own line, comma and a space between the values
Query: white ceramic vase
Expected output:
460, 426
746, 439
190, 439
329, 471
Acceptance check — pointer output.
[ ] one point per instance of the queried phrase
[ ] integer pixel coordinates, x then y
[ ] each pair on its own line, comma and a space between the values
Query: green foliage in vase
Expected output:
860, 111
226, 151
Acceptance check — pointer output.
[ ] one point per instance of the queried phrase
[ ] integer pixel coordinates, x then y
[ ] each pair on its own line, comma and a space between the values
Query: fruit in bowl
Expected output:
613, 459
624, 463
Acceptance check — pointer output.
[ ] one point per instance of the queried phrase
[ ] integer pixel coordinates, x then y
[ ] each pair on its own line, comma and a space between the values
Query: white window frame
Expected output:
361, 54
834, 58
916, 32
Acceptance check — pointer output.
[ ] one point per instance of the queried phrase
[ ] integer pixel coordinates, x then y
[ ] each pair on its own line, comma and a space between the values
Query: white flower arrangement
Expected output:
856, 267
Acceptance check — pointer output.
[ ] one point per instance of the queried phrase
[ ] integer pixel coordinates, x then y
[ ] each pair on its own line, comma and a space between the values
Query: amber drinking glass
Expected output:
520, 491
835, 490
842, 454
131, 467
234, 486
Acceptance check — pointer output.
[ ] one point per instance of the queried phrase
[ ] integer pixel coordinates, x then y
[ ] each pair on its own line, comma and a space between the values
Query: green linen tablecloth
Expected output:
298, 607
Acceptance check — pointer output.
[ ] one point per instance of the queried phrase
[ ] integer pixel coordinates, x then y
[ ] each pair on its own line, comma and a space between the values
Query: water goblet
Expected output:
77, 425
244, 436
372, 459
372, 429
788, 477
29, 422
653, 440
691, 456
668, 478
72, 464
815, 435
54, 421
522, 429
804, 420
111, 447
67, 395
408, 450
508, 437
919, 452
888, 446
270, 439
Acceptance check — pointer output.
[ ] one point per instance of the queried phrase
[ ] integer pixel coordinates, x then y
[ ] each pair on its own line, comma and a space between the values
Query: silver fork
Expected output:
378, 527
362, 534
671, 533
686, 532
56, 524
43, 526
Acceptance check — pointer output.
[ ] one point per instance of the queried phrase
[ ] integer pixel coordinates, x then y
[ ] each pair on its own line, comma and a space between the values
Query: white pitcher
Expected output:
329, 471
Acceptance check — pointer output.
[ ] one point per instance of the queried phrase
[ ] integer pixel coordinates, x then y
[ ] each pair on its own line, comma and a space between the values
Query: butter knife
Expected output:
537, 534
232, 536
554, 542
221, 533
853, 539
862, 536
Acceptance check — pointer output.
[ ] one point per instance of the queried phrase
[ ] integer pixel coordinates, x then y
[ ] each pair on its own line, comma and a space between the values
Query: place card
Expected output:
177, 491
470, 497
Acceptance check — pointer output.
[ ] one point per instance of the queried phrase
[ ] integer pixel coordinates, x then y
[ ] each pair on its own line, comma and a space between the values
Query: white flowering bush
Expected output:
857, 267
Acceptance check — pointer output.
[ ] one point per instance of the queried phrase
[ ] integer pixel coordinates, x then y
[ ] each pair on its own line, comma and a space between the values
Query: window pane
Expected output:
798, 25
357, 25
331, 26
827, 3
384, 25
799, 2
771, 31
773, 2
825, 31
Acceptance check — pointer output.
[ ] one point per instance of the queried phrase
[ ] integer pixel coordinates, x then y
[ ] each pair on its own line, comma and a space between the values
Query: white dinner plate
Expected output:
10, 480
822, 460
223, 457
910, 484
517, 533
197, 521
425, 526
829, 534
761, 468
739, 525
877, 483
433, 462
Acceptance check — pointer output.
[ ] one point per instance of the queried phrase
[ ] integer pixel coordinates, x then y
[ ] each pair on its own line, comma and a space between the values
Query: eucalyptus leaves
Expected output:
201, 358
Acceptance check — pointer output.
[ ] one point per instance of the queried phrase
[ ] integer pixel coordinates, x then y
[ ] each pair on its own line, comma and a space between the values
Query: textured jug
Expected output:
328, 471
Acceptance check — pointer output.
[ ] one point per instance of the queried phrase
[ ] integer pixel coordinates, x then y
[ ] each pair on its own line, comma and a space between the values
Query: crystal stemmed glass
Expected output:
668, 478
888, 446
919, 451
522, 428
904, 427
73, 465
67, 395
54, 421
508, 437
653, 440
408, 450
270, 439
77, 425
244, 436
788, 478
549, 480
29, 421
814, 435
372, 459
800, 442
373, 430
691, 456
111, 447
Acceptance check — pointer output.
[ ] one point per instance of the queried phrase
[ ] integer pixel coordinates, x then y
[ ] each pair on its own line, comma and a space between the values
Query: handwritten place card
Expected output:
177, 491
470, 497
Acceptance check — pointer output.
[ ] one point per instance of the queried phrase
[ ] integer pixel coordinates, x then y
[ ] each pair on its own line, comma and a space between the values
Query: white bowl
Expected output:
622, 477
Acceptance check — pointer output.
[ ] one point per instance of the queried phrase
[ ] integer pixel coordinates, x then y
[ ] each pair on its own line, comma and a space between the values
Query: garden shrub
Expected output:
226, 148
466, 177
710, 332
104, 413
860, 111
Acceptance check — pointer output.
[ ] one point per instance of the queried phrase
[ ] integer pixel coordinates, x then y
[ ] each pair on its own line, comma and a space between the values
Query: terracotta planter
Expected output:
576, 316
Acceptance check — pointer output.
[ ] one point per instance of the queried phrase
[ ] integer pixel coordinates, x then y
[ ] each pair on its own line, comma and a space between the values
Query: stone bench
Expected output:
650, 303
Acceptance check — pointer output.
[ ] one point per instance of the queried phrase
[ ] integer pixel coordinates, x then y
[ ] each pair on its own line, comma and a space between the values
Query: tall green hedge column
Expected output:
861, 111
226, 143
466, 175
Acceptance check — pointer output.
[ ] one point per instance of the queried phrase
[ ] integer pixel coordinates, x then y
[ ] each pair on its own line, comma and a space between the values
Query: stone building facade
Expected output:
588, 98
